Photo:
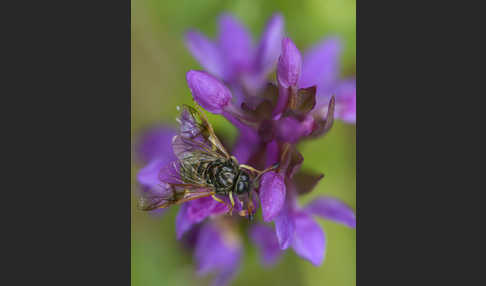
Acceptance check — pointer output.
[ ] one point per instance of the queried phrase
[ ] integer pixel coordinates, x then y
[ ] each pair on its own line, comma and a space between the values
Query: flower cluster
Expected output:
271, 118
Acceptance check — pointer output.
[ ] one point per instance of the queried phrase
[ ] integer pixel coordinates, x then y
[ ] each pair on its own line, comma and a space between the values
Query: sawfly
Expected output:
203, 169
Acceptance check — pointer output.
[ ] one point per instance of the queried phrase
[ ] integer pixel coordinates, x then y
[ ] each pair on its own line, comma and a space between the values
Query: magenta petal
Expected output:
200, 209
155, 143
309, 241
235, 44
206, 52
289, 64
270, 44
345, 106
266, 240
284, 228
273, 153
226, 275
272, 195
149, 175
183, 223
208, 91
332, 209
245, 147
216, 251
346, 101
321, 64
291, 130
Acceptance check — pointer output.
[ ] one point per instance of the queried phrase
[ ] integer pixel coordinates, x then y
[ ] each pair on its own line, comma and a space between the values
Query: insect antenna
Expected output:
271, 168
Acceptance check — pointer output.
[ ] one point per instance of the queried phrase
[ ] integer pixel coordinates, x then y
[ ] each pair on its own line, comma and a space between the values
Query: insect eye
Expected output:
241, 187
244, 177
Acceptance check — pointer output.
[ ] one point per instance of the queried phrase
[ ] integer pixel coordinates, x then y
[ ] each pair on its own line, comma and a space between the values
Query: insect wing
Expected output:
196, 135
168, 194
155, 197
195, 146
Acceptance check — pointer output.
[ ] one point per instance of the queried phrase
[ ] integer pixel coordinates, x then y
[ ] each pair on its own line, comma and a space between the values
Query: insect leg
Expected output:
273, 167
250, 207
220, 200
250, 168
232, 203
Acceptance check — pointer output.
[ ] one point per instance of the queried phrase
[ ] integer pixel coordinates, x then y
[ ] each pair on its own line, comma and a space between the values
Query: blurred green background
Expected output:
159, 64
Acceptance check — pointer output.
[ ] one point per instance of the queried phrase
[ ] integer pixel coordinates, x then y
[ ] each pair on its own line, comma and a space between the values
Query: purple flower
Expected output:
271, 119
155, 143
303, 108
272, 194
321, 68
345, 103
266, 241
233, 58
288, 73
209, 92
194, 212
218, 249
290, 129
289, 64
295, 227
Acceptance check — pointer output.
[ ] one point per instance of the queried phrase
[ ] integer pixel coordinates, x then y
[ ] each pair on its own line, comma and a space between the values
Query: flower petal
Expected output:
332, 209
270, 44
321, 64
272, 195
235, 44
183, 223
291, 130
284, 228
309, 241
289, 64
245, 147
266, 240
200, 209
149, 175
226, 275
155, 143
217, 250
208, 91
272, 152
345, 105
205, 52
346, 101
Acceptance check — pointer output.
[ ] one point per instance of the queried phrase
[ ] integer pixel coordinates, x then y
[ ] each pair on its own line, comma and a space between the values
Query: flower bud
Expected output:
208, 91
272, 195
289, 64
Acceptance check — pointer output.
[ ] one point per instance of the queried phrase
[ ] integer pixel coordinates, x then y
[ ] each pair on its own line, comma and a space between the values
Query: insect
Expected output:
203, 168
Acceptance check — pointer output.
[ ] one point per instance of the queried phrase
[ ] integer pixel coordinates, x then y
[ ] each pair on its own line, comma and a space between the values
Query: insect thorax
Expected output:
222, 175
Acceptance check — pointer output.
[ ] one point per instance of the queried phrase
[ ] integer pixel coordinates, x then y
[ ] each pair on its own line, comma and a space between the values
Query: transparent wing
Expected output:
169, 195
195, 147
196, 135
